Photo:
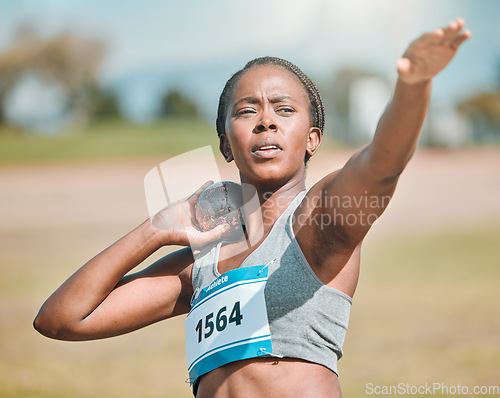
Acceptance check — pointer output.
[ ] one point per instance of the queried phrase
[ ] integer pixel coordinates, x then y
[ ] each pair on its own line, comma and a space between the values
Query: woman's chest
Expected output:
233, 256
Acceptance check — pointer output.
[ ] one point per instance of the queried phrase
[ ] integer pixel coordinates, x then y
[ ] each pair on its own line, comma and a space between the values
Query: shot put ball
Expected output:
220, 203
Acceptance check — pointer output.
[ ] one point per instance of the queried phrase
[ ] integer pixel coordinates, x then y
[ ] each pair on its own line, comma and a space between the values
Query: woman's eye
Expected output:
245, 112
286, 110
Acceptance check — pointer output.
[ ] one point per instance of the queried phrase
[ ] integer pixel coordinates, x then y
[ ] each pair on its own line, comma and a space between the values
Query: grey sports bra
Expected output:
307, 319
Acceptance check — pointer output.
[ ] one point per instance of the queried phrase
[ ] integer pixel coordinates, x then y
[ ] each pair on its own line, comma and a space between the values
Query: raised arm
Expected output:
399, 128
347, 202
98, 301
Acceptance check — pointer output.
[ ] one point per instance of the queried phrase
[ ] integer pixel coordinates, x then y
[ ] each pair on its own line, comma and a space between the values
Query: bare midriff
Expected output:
270, 377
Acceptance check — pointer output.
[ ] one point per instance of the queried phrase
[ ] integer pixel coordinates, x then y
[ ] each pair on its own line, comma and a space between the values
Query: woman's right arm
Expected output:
98, 301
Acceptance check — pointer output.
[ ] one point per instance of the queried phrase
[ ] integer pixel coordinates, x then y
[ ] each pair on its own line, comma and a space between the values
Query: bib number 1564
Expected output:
220, 322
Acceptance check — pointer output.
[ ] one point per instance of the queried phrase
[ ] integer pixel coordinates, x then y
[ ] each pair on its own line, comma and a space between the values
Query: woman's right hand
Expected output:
178, 225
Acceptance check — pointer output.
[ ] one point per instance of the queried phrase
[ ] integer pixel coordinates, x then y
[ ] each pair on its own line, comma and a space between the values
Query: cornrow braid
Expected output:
317, 110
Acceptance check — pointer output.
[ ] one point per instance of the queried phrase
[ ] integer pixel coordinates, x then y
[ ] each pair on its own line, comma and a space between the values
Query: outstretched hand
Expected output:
431, 52
178, 222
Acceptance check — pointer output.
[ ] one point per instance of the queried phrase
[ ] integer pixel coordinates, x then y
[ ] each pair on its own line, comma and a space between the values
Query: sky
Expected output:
152, 40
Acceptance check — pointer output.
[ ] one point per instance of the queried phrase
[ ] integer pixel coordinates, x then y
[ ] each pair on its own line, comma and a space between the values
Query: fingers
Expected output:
202, 238
452, 28
203, 187
453, 34
459, 40
194, 197
404, 66
461, 23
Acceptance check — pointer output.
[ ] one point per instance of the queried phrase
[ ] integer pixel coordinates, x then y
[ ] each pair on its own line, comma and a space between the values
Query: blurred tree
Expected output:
174, 103
103, 103
68, 60
485, 105
483, 112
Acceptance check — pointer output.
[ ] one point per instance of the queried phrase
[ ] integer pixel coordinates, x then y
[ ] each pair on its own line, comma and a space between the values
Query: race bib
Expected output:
228, 321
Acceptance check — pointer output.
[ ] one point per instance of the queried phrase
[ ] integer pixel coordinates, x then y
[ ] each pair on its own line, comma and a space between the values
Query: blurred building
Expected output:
47, 83
36, 104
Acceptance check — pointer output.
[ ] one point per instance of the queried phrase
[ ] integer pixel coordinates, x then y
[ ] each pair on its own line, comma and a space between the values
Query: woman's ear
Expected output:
313, 141
225, 148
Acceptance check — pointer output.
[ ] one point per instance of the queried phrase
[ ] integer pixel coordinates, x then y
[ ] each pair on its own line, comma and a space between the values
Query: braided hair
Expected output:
317, 112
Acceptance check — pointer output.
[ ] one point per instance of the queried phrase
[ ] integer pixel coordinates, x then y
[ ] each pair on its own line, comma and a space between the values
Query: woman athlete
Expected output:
270, 123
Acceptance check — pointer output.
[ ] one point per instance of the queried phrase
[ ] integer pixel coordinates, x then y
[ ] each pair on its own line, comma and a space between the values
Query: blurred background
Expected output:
93, 94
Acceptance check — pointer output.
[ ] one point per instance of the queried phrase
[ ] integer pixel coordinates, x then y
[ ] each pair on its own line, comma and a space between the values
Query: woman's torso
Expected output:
271, 377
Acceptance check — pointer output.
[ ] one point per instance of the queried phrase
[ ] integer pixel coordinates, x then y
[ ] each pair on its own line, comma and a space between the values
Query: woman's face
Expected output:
268, 127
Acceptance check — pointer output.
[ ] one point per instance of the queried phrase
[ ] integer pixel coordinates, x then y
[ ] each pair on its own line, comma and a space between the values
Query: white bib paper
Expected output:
228, 321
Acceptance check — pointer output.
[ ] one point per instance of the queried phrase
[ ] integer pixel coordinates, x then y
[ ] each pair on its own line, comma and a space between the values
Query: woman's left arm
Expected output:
398, 130
360, 192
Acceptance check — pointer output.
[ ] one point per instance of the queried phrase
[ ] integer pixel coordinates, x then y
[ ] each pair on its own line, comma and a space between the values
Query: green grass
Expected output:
462, 254
426, 311
107, 139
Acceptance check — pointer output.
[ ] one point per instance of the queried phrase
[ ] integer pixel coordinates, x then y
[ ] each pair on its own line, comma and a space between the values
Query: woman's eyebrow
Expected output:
250, 100
280, 98
255, 100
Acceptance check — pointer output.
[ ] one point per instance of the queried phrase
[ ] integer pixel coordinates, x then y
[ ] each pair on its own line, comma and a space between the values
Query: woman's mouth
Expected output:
266, 151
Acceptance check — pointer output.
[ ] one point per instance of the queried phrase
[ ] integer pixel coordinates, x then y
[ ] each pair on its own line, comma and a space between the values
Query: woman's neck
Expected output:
263, 206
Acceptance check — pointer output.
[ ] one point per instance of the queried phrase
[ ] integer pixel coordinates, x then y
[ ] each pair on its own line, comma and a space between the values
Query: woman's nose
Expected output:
266, 123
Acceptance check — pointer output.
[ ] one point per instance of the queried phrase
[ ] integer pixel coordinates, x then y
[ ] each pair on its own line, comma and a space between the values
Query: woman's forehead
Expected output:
269, 79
